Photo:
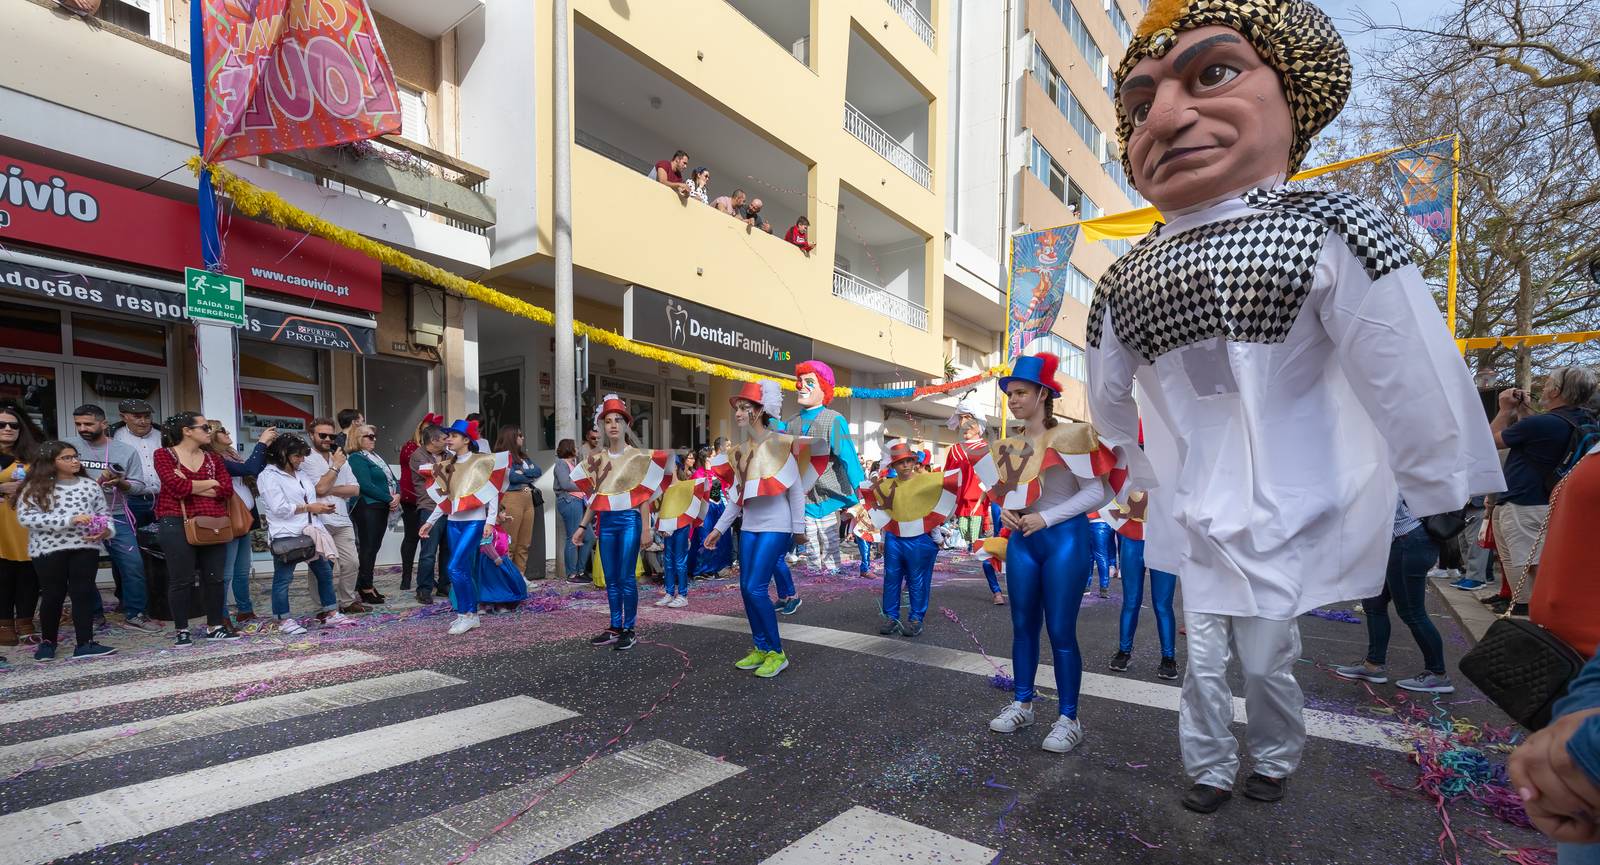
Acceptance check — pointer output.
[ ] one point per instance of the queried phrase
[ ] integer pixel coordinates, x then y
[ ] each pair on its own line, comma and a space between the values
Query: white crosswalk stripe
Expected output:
864, 835
1319, 723
125, 738
49, 832
607, 793
188, 683
26, 674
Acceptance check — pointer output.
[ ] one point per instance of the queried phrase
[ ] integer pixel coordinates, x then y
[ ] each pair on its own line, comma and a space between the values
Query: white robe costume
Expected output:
1293, 371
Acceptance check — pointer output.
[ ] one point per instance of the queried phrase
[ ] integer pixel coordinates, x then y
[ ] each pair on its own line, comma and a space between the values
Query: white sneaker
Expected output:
666, 600
462, 624
1064, 736
291, 627
1012, 718
338, 619
679, 602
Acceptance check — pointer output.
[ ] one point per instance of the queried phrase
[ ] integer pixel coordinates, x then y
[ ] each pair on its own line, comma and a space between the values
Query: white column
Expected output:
469, 354
218, 374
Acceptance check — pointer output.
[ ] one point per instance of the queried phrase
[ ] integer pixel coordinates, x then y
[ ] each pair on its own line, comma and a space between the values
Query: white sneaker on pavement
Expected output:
337, 619
462, 624
290, 626
1012, 718
1064, 736
679, 602
665, 600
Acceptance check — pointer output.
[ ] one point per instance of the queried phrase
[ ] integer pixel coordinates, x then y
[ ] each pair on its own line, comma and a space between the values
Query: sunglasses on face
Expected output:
203, 426
367, 436
10, 424
326, 436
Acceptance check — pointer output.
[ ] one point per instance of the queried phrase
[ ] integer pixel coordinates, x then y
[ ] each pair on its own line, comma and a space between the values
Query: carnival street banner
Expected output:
292, 74
1037, 284
1425, 176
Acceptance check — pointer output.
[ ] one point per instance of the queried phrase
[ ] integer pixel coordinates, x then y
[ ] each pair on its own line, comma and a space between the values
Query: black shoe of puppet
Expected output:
1205, 799
1263, 789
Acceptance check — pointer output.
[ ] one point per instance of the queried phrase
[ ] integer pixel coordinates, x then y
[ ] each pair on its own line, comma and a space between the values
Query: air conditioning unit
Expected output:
425, 323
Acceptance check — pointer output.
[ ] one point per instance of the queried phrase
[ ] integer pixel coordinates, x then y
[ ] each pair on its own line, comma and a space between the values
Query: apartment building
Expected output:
91, 309
825, 109
1032, 134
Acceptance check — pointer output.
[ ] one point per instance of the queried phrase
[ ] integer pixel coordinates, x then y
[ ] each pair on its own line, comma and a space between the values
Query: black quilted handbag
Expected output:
1523, 668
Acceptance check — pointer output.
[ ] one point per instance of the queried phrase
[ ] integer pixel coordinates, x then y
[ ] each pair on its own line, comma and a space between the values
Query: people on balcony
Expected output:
699, 184
730, 204
751, 214
799, 235
670, 173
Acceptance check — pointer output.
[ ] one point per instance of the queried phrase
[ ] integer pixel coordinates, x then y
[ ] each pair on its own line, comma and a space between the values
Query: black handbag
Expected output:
1446, 526
293, 550
1520, 666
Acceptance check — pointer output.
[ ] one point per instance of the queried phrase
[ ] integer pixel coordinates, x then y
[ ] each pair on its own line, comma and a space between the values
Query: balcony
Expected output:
914, 18
398, 171
788, 23
871, 134
878, 299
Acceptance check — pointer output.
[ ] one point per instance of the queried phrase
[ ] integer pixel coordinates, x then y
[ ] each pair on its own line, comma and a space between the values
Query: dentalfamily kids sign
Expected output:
292, 74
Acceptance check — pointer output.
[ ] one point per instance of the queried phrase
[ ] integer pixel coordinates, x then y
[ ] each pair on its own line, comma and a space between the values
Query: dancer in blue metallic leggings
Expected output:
1045, 480
909, 507
679, 513
762, 480
1104, 545
620, 481
1129, 522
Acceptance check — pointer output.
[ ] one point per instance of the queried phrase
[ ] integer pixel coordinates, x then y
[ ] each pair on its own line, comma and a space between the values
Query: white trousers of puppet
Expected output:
1267, 651
822, 542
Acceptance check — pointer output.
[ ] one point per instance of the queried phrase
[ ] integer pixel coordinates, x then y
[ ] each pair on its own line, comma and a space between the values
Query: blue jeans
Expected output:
1410, 557
238, 568
1162, 587
123, 549
570, 508
429, 562
1578, 854
785, 580
283, 575
865, 551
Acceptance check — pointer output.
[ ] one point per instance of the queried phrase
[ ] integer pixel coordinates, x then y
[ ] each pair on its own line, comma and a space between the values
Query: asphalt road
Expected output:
392, 742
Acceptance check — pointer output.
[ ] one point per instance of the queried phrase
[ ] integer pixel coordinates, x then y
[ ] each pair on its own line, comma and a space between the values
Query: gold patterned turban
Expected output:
1292, 36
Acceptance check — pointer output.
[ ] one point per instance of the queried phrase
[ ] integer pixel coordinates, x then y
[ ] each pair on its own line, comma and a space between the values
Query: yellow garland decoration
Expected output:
252, 200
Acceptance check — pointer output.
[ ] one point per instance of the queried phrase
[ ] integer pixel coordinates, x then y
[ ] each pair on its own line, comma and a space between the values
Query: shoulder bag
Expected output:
1520, 666
294, 549
203, 531
1446, 526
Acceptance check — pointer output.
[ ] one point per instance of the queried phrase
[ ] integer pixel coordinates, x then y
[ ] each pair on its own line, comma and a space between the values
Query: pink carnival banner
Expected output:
292, 74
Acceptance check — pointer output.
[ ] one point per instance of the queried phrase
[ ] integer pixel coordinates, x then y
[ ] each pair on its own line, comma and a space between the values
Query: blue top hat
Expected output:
1039, 369
461, 427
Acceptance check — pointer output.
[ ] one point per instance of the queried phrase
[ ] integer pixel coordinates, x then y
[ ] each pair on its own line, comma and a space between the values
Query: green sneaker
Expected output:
775, 663
751, 661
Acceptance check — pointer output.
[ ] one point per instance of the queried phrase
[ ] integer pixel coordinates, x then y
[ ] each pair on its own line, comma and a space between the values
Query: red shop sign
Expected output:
54, 208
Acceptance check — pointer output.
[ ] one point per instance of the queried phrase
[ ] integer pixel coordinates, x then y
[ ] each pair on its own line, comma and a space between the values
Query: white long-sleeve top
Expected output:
1289, 433
1063, 495
488, 512
781, 513
281, 494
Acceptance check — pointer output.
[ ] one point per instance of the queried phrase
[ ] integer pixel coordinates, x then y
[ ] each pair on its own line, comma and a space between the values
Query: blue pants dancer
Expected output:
994, 521
463, 538
784, 578
711, 562
1045, 572
865, 550
1162, 587
619, 555
908, 562
675, 559
760, 553
1105, 552
992, 577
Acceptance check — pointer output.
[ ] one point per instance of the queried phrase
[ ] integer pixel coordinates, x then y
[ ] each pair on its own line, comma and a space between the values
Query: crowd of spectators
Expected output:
675, 174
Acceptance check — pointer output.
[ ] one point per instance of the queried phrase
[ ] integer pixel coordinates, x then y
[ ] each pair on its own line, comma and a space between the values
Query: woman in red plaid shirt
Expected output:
194, 483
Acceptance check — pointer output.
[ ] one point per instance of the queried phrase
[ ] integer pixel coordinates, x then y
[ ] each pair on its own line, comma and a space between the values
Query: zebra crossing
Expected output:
555, 809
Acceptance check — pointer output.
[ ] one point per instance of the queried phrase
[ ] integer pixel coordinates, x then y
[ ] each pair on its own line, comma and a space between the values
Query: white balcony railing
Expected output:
872, 135
908, 13
878, 299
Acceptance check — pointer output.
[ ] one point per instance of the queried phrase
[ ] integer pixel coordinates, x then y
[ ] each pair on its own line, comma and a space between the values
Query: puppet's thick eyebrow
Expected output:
1137, 81
1193, 51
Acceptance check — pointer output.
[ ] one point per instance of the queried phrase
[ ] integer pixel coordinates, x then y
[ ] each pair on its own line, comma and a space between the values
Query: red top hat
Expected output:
901, 451
750, 391
613, 404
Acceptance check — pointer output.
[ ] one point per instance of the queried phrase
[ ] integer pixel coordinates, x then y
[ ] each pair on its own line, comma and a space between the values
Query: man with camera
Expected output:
1537, 444
119, 469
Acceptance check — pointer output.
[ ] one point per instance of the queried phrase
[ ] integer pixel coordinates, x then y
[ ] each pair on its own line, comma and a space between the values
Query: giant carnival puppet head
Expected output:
814, 384
1217, 95
967, 418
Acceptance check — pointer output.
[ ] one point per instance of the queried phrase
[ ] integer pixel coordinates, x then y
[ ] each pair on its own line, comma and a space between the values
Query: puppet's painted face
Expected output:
1209, 118
808, 390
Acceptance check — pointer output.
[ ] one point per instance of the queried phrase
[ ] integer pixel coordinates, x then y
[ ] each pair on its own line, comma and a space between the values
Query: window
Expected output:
1118, 176
1067, 103
1079, 285
1079, 32
30, 328
1119, 247
1063, 187
129, 341
970, 357
1119, 21
1073, 362
414, 116
140, 16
